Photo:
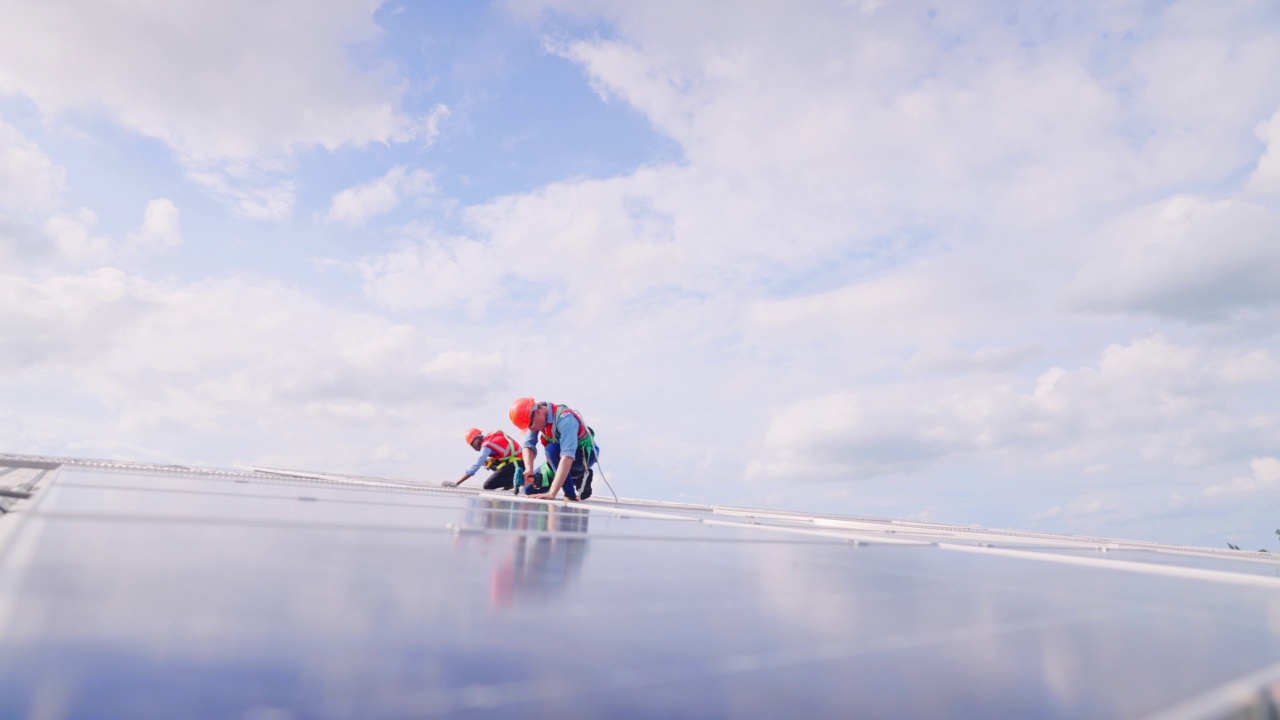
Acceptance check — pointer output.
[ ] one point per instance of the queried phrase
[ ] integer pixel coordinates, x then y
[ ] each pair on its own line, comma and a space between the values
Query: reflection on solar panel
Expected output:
131, 590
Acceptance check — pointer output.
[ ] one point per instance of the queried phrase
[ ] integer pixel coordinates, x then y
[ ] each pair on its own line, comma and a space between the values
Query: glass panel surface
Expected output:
124, 599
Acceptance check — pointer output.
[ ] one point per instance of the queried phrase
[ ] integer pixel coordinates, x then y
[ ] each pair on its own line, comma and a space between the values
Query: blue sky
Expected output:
1005, 263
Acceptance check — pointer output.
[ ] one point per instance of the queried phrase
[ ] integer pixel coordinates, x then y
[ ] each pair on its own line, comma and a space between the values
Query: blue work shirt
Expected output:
485, 454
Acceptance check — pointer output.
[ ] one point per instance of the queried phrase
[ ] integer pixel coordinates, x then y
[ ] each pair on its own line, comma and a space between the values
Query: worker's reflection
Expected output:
546, 550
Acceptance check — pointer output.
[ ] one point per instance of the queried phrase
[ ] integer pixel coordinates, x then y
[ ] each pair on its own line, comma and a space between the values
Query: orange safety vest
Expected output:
554, 413
502, 448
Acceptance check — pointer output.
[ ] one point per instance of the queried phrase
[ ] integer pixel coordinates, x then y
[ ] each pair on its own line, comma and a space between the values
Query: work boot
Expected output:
586, 485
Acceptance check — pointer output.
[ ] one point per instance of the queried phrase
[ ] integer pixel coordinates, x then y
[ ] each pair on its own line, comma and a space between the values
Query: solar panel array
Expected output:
131, 590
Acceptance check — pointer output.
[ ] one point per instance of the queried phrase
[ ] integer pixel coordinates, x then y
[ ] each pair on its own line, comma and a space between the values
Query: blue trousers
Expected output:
579, 481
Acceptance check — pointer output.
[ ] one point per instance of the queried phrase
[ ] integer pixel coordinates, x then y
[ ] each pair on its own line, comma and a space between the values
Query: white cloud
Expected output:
1185, 257
229, 369
214, 80
431, 123
1265, 478
31, 189
910, 320
31, 193
67, 319
251, 193
837, 133
73, 238
377, 197
1161, 403
938, 358
1266, 176
431, 274
1256, 367
160, 228
952, 111
29, 180
233, 87
604, 242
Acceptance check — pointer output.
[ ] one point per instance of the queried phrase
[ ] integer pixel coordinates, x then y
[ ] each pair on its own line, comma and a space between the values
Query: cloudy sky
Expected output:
1006, 263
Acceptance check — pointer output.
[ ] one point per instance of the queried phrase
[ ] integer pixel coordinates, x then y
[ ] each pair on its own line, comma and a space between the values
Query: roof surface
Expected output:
130, 590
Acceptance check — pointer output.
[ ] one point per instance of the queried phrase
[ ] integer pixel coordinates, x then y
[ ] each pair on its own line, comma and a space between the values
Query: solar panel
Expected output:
131, 590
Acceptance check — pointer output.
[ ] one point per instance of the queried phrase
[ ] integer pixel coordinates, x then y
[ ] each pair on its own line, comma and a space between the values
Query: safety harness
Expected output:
550, 433
503, 450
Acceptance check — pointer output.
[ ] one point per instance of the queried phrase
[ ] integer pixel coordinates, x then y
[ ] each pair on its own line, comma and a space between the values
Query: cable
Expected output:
606, 481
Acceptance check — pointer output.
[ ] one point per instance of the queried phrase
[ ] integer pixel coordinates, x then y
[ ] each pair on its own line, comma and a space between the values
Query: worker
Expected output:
500, 453
570, 447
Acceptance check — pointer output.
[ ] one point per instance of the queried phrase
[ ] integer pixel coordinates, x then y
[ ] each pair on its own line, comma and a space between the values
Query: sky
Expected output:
1013, 264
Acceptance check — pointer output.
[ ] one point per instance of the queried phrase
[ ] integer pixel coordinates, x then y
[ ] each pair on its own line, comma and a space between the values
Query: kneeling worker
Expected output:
500, 453
571, 446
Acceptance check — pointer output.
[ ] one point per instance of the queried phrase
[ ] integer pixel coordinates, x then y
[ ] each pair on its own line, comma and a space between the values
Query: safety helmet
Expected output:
472, 434
522, 412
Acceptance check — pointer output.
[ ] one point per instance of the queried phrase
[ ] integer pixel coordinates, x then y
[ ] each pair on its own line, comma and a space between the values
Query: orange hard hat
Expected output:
522, 412
472, 434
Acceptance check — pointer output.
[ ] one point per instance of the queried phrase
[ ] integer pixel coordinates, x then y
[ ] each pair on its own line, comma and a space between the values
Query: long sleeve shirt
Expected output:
485, 454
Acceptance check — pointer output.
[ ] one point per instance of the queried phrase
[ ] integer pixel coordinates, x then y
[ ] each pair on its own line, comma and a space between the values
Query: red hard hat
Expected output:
472, 434
522, 412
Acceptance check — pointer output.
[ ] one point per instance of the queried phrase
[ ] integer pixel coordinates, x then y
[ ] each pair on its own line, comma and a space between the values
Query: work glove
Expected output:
449, 483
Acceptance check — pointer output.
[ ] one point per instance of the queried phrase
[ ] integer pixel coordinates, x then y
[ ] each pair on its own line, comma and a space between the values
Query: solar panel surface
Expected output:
133, 591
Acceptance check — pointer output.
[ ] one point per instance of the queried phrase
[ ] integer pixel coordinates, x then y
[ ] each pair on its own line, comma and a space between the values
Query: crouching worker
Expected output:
570, 446
500, 453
